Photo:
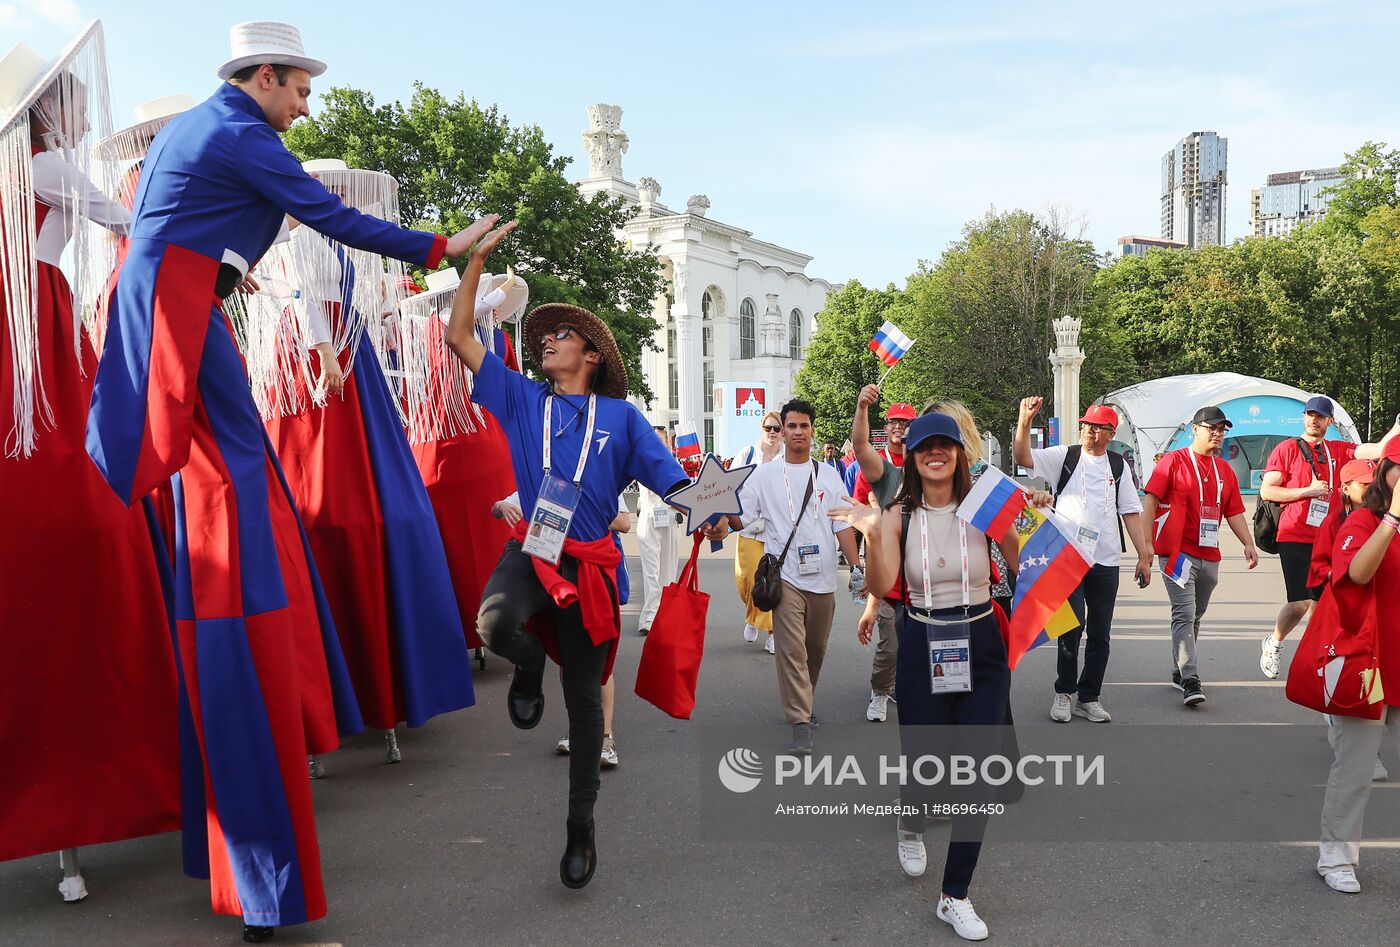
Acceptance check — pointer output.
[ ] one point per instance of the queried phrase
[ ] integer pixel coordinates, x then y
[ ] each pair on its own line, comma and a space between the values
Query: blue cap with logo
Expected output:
930, 425
1320, 404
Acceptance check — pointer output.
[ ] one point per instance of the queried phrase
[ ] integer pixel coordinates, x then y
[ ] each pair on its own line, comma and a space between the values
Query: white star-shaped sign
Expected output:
712, 494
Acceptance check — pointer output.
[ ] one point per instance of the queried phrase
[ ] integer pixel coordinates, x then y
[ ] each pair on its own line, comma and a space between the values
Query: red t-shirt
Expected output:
1288, 458
1320, 569
1352, 598
1179, 482
861, 493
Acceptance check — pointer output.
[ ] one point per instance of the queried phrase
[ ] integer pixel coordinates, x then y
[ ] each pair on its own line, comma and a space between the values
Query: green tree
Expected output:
1372, 175
456, 160
839, 363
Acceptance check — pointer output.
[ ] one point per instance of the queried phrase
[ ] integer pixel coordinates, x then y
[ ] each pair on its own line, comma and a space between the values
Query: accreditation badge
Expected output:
1317, 511
950, 658
1209, 537
661, 517
549, 523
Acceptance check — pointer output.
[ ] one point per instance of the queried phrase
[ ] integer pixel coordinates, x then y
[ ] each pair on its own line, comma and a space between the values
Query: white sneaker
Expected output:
1270, 656
963, 917
913, 857
562, 747
1379, 774
1092, 711
769, 646
1343, 880
750, 633
609, 757
1059, 710
879, 706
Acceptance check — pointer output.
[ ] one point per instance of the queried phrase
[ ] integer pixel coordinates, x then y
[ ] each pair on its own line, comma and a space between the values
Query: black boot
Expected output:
525, 699
580, 857
256, 935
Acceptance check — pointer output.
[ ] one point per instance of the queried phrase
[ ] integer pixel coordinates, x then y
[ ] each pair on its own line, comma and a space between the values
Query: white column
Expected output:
1067, 360
689, 365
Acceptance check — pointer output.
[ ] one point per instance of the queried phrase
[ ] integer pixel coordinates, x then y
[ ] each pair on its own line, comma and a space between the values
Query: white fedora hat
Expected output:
267, 41
24, 74
131, 142
443, 280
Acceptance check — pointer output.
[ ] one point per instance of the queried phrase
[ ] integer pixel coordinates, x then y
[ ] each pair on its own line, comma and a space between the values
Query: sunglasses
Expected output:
772, 428
560, 332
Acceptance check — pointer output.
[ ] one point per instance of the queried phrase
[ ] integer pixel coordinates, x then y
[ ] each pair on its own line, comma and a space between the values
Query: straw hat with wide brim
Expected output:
25, 75
267, 41
132, 142
612, 382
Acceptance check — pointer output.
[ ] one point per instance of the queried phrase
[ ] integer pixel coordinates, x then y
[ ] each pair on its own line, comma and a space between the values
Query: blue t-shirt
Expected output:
624, 447
848, 476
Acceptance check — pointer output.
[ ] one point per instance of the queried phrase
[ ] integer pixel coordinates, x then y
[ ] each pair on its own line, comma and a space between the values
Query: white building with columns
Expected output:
738, 310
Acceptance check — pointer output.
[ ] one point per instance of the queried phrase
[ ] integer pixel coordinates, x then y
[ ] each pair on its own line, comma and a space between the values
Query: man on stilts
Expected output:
172, 398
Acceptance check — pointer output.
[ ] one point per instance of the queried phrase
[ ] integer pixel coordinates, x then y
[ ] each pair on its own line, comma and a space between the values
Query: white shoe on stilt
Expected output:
769, 646
72, 887
750, 633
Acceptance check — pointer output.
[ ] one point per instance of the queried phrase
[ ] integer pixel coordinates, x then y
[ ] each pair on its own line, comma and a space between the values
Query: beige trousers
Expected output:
801, 627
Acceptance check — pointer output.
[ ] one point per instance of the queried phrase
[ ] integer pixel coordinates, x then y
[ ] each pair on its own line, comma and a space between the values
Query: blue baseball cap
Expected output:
1320, 404
929, 425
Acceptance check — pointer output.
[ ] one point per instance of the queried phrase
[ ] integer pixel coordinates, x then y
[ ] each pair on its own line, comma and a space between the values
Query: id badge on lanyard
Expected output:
950, 644
809, 559
1209, 533
559, 498
661, 517
1317, 511
1318, 507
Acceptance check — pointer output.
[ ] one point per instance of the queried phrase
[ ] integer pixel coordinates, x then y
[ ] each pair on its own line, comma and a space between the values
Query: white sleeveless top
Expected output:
946, 580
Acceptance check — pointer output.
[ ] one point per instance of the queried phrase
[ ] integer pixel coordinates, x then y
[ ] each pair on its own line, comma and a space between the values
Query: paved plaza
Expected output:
459, 843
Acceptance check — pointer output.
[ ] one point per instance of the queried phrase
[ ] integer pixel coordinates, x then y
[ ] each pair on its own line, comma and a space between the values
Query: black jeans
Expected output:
512, 595
1096, 594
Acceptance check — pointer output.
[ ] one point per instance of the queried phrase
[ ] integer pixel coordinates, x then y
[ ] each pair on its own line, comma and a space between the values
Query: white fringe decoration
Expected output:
75, 108
311, 282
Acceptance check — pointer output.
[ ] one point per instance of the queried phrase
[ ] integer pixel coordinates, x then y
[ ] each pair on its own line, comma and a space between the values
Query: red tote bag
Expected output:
1336, 670
670, 663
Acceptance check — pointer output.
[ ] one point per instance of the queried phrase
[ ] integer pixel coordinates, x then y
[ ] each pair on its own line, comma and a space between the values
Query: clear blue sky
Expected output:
866, 138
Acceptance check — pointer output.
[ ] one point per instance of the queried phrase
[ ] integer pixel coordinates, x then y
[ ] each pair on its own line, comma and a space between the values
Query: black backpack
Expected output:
1116, 465
1267, 513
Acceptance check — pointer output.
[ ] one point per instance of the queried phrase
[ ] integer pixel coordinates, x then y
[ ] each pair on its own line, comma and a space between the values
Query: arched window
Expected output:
707, 328
795, 334
673, 378
747, 335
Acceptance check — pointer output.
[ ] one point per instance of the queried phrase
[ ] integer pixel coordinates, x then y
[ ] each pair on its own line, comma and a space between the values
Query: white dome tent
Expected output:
1155, 417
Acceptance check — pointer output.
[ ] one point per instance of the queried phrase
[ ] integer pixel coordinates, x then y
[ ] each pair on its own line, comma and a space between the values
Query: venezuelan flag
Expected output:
1051, 569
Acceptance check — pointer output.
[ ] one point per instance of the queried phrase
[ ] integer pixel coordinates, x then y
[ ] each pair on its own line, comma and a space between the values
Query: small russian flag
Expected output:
687, 445
890, 344
993, 503
1178, 569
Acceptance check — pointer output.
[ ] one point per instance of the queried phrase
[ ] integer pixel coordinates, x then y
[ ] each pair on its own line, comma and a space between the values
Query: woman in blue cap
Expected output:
942, 568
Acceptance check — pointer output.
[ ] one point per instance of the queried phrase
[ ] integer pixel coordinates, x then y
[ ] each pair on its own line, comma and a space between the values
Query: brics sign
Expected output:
739, 410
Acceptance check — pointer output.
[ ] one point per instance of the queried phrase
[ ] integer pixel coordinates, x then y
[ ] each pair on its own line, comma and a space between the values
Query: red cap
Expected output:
1100, 414
1362, 471
899, 411
1392, 450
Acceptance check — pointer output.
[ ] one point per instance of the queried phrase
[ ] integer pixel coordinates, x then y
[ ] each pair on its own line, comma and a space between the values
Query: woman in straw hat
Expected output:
172, 398
88, 691
575, 445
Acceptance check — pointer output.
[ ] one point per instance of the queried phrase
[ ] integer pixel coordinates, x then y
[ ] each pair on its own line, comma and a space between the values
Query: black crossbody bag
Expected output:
767, 589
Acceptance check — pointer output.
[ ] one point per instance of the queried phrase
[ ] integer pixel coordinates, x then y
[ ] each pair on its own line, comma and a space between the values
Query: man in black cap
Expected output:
1303, 476
1189, 493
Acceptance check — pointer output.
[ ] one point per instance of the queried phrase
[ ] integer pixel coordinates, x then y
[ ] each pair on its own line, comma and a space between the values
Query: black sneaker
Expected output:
1176, 679
1191, 692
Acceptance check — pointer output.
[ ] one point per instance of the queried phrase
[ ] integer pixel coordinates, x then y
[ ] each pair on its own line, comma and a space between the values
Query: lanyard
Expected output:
885, 453
583, 448
1331, 464
1200, 484
792, 510
923, 548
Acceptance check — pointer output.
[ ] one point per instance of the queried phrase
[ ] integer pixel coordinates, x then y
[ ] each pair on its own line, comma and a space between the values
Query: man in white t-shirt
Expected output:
1092, 488
774, 493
